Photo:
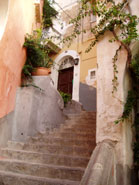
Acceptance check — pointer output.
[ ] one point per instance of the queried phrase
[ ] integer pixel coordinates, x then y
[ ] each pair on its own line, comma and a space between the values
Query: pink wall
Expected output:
12, 55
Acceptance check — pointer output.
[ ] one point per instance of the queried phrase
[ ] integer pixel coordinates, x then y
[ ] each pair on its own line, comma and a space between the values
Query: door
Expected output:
65, 80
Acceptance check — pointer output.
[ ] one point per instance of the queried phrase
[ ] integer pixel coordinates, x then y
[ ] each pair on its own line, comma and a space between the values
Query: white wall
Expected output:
110, 106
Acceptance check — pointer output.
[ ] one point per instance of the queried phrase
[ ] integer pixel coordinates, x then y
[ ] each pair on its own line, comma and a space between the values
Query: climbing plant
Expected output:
115, 18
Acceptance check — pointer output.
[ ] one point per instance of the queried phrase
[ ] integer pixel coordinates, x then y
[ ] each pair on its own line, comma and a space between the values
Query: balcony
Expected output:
53, 39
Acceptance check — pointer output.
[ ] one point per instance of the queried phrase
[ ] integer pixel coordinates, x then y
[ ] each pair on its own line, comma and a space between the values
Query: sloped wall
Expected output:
37, 110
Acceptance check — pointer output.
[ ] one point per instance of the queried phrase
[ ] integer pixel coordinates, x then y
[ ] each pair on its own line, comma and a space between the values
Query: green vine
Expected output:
128, 107
116, 19
112, 17
115, 70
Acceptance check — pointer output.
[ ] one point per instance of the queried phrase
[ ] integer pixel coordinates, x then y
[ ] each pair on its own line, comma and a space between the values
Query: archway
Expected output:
60, 62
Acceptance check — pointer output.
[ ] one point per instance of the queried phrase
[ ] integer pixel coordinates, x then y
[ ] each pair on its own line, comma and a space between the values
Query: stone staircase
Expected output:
56, 158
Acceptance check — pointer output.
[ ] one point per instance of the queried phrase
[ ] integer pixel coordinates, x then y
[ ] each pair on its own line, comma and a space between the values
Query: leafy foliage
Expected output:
117, 19
135, 65
130, 102
37, 54
113, 17
48, 14
66, 97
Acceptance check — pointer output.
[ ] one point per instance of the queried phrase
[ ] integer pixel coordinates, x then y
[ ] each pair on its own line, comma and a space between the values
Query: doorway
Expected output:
65, 80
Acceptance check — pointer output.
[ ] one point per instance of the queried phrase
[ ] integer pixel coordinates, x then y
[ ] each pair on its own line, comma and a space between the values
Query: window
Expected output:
92, 75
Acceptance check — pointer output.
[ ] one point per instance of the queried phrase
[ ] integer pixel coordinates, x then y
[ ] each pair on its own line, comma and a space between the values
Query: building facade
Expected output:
78, 79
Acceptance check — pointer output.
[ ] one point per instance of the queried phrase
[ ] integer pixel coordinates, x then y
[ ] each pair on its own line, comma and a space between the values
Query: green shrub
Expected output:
66, 97
48, 14
37, 54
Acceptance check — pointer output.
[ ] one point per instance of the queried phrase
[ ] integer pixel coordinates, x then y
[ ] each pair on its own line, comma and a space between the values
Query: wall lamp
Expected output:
76, 61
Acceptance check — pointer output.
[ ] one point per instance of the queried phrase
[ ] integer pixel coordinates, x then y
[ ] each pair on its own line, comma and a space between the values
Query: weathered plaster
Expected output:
37, 110
109, 106
6, 129
19, 19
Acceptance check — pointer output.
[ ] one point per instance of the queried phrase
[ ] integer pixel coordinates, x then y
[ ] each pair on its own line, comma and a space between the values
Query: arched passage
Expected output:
3, 15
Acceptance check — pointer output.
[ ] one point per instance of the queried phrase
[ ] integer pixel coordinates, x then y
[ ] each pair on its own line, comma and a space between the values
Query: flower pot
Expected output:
41, 71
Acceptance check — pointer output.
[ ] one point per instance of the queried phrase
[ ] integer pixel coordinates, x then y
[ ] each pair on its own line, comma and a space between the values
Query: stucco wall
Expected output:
110, 106
88, 60
6, 129
79, 45
37, 110
20, 20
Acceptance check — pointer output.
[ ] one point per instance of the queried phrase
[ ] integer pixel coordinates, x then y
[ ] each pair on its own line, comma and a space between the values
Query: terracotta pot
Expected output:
41, 71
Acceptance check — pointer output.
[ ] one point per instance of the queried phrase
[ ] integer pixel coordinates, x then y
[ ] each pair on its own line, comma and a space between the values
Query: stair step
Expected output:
65, 134
42, 170
82, 125
45, 158
66, 141
57, 149
81, 121
83, 113
74, 135
10, 178
79, 130
55, 158
85, 117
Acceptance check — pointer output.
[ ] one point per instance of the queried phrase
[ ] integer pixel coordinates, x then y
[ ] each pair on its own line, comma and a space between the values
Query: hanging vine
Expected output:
113, 17
116, 19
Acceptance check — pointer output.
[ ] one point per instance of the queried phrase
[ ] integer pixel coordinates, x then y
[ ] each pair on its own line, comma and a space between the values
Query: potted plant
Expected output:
38, 61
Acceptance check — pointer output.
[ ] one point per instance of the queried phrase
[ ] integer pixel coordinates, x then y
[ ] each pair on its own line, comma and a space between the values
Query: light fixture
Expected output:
76, 61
